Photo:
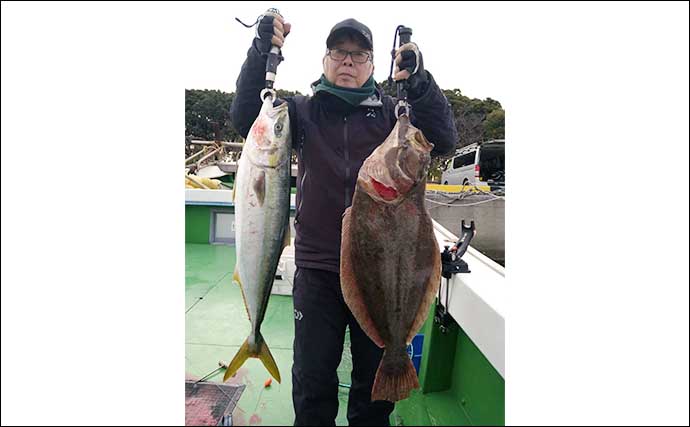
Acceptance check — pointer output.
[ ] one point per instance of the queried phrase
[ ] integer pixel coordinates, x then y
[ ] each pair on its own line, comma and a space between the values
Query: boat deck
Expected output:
216, 325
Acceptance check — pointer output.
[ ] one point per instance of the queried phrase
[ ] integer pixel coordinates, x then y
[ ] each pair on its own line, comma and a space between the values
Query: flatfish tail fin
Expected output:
395, 377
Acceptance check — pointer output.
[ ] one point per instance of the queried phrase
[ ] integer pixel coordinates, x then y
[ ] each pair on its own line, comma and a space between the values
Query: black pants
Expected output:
321, 316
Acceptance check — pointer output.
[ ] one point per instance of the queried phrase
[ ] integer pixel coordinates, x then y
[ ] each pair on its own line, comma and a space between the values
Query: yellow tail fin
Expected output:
267, 359
237, 361
264, 354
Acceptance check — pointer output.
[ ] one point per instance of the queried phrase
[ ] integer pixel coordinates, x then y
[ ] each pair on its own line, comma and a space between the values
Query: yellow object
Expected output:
260, 351
193, 181
457, 188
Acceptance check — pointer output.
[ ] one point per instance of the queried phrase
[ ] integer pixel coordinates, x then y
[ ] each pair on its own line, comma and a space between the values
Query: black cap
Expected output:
351, 25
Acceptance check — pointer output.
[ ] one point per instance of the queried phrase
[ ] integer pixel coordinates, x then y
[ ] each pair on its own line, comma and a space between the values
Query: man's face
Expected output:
347, 72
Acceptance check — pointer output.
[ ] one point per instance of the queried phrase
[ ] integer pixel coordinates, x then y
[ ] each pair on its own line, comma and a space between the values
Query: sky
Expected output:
461, 43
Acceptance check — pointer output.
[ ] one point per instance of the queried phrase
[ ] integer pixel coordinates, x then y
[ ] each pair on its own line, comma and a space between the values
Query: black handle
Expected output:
274, 57
405, 35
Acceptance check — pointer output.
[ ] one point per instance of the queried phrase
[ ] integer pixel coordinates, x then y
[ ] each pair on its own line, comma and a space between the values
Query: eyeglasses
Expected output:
358, 56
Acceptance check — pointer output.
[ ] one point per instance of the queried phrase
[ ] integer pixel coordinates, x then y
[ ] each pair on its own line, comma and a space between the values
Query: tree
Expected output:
494, 125
204, 107
281, 93
390, 90
476, 119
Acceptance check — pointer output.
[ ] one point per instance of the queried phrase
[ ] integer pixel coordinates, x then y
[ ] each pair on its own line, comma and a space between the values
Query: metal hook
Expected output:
268, 92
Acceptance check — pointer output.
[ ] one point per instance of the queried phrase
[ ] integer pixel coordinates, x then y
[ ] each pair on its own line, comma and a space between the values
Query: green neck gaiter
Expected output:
349, 95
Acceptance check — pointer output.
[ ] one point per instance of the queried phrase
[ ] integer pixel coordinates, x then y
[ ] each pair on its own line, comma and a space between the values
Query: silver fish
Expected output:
262, 211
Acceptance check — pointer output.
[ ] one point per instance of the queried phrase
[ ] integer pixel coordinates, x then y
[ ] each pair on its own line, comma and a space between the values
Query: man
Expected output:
333, 132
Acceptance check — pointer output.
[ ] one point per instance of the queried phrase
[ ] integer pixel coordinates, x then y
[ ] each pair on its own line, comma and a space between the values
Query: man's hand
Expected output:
409, 65
408, 61
271, 30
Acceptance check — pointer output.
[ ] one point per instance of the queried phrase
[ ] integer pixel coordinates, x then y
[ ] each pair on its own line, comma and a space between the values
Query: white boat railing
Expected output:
476, 300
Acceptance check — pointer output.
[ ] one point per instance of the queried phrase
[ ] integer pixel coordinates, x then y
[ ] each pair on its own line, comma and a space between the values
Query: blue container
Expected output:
414, 350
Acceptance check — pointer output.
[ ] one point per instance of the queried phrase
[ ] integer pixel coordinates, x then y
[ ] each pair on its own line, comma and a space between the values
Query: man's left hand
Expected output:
408, 61
409, 65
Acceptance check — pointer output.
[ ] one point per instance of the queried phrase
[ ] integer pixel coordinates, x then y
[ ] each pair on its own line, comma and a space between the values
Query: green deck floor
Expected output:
216, 324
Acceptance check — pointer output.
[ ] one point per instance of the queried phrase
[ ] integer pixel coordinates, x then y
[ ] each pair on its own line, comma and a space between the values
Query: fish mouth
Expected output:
274, 112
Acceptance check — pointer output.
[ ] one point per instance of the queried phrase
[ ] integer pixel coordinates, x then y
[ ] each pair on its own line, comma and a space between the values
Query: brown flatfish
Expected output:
390, 261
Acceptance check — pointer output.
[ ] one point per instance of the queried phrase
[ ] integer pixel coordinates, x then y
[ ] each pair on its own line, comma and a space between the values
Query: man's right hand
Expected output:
271, 30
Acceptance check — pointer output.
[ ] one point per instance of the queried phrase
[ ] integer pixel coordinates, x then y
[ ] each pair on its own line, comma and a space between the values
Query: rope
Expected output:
464, 204
462, 196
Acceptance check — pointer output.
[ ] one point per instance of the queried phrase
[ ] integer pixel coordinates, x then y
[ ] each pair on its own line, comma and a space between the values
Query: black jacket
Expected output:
332, 140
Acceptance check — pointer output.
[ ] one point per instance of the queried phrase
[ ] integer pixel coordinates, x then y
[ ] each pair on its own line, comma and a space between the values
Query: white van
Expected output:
481, 163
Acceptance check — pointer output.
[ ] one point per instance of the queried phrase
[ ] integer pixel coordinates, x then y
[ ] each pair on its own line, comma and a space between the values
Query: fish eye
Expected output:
278, 128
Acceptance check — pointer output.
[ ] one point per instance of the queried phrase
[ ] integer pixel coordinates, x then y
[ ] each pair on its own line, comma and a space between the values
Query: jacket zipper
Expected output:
347, 164
301, 182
